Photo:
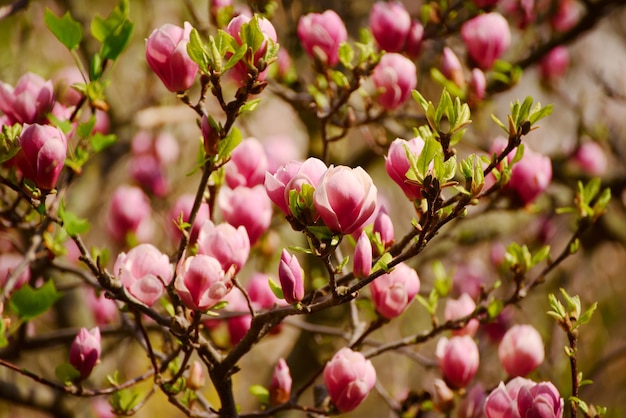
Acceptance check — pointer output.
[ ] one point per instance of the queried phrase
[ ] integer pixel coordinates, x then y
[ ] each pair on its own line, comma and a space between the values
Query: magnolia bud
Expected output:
291, 278
166, 54
362, 257
384, 227
590, 157
521, 350
349, 378
85, 351
321, 34
397, 164
451, 67
554, 65
280, 387
196, 379
390, 24
458, 360
486, 37
247, 165
394, 291
394, 77
458, 308
247, 207
415, 39
42, 154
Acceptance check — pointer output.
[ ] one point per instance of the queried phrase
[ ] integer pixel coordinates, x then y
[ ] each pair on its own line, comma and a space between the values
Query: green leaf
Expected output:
66, 373
494, 308
117, 41
541, 255
3, 337
9, 141
66, 29
346, 55
339, 78
249, 106
383, 263
431, 149
95, 67
260, 393
229, 143
29, 303
277, 290
586, 316
100, 141
251, 34
540, 114
72, 223
499, 123
197, 51
236, 57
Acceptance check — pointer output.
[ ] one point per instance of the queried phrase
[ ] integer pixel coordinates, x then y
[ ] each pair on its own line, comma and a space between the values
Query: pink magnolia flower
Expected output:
237, 325
390, 24
458, 308
85, 351
42, 154
521, 11
8, 263
345, 198
414, 40
29, 102
292, 176
458, 360
129, 213
524, 398
63, 81
280, 386
530, 176
240, 70
247, 207
394, 77
521, 350
201, 282
149, 174
104, 310
554, 65
394, 291
321, 34
451, 67
567, 15
362, 256
183, 206
473, 404
163, 146
590, 157
143, 272
229, 245
397, 164
486, 37
291, 277
166, 54
247, 165
349, 378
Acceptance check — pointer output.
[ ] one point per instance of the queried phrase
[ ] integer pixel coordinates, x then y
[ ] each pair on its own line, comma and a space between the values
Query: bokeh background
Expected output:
589, 105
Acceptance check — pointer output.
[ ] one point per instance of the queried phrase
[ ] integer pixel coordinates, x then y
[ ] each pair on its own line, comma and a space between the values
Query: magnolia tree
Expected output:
402, 259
